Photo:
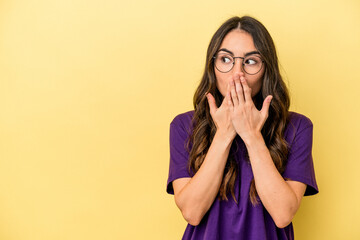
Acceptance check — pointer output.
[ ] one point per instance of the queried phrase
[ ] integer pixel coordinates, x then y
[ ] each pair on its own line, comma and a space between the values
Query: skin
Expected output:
239, 43
238, 115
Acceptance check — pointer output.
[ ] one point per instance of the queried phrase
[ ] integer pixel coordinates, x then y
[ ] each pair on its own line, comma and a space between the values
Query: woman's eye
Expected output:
250, 61
225, 59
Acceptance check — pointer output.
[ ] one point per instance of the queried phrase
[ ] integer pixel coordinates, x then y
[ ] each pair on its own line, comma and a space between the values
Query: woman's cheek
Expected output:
221, 85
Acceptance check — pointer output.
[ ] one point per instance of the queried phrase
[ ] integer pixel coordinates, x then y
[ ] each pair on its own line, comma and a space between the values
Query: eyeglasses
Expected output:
224, 62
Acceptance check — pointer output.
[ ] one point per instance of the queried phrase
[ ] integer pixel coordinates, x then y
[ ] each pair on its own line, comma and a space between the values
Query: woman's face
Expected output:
238, 43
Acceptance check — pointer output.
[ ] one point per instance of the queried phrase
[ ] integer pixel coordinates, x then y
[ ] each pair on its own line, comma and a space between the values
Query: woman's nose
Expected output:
237, 69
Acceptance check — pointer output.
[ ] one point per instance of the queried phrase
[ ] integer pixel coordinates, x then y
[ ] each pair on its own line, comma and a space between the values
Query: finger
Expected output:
227, 99
239, 90
212, 103
266, 105
228, 96
230, 103
233, 93
247, 89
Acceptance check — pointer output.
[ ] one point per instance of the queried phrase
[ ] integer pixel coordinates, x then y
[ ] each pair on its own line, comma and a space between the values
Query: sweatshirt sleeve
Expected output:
300, 166
179, 156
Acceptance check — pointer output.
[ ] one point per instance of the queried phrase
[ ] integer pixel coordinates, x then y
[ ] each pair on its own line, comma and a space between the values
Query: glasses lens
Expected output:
223, 62
252, 64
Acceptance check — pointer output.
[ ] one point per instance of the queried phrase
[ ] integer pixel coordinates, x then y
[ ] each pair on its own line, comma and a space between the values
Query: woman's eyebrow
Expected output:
246, 54
251, 53
226, 50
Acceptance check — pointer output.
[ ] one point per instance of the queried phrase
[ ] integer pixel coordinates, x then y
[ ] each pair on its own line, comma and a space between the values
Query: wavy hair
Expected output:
273, 130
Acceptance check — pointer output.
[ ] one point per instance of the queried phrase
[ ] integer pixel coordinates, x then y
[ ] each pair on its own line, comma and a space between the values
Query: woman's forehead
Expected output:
238, 42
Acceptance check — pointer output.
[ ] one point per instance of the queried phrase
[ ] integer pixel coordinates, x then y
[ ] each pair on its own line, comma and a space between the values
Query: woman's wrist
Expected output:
254, 140
224, 137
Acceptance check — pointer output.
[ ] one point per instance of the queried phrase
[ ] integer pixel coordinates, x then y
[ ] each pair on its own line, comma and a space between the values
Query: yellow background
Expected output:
88, 90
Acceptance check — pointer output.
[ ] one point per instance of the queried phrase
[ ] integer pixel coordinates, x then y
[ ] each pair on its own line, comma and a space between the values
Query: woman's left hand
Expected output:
246, 118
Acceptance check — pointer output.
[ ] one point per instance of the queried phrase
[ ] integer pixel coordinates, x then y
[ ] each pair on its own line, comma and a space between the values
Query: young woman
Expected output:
240, 162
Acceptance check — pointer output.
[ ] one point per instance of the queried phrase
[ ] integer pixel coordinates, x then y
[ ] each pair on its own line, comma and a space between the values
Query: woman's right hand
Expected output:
194, 196
222, 115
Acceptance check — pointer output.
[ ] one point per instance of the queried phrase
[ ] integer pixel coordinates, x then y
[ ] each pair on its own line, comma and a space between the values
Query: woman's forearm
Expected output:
276, 195
198, 194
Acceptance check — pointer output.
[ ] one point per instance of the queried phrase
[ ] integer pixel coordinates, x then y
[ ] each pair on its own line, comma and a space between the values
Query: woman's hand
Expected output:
247, 120
222, 115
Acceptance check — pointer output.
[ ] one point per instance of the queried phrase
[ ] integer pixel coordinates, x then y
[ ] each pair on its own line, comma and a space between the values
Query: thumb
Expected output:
265, 108
212, 103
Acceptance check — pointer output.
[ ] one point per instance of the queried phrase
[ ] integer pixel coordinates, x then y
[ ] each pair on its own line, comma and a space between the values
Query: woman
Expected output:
240, 163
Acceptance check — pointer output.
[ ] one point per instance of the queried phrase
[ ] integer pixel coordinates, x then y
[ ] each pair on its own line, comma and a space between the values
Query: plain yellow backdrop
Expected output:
88, 90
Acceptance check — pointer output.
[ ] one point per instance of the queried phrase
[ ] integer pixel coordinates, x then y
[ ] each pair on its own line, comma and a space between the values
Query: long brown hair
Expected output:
273, 130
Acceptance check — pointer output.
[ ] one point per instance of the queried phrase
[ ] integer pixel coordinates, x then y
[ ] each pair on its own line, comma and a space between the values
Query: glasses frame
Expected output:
242, 64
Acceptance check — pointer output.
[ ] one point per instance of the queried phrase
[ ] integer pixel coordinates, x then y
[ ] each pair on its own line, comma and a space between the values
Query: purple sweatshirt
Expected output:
231, 220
